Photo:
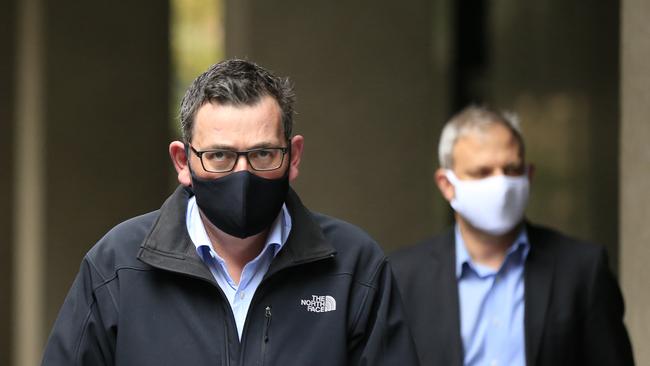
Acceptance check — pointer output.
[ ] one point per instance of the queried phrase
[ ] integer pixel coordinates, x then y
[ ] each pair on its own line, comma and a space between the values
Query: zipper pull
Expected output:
267, 315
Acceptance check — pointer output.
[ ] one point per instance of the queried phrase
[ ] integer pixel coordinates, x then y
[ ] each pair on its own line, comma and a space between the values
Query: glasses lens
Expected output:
265, 159
219, 160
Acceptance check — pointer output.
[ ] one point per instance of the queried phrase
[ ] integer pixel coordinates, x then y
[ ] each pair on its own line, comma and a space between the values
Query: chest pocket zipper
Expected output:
265, 334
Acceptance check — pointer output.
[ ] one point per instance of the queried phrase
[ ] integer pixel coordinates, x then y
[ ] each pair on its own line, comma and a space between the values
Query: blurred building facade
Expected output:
84, 111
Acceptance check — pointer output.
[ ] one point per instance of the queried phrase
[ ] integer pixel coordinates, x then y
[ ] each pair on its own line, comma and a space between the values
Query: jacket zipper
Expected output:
267, 313
259, 293
261, 287
265, 333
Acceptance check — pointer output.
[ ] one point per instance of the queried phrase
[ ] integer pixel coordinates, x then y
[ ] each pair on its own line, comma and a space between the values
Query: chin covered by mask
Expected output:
494, 205
241, 204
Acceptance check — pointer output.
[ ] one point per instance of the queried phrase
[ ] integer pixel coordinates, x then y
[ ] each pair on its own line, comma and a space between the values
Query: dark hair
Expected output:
239, 83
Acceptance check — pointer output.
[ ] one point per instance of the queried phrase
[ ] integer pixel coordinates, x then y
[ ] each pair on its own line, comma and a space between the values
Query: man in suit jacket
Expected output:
497, 290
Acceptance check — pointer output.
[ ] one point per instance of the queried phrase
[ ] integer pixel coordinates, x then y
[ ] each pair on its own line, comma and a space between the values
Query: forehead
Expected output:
238, 126
492, 146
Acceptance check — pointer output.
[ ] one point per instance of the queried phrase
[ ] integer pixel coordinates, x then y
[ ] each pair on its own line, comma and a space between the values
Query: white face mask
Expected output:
494, 205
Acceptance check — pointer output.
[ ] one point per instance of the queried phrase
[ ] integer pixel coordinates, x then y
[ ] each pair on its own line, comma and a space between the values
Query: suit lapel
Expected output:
449, 313
538, 279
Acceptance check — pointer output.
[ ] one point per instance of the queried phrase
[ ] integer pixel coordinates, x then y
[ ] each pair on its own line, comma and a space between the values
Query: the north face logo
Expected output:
319, 304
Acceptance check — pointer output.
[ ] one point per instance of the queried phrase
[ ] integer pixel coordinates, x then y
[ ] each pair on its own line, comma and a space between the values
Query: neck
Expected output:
235, 252
486, 249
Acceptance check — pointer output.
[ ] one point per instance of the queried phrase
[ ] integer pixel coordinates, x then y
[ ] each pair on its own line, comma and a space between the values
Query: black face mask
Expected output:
241, 204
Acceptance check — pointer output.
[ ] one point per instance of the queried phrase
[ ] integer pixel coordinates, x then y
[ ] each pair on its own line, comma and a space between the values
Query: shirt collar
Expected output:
521, 245
278, 233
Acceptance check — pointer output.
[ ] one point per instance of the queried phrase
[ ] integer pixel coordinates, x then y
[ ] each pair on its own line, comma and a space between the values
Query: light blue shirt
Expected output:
492, 306
239, 296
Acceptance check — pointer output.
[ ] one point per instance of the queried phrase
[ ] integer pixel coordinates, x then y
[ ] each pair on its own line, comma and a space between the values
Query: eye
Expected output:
263, 154
480, 173
217, 155
515, 170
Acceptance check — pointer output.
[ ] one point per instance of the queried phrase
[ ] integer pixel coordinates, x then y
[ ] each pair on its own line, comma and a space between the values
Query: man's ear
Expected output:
297, 145
444, 185
180, 161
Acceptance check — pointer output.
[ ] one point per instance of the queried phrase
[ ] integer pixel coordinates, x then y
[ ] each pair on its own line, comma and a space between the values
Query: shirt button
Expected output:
242, 295
494, 363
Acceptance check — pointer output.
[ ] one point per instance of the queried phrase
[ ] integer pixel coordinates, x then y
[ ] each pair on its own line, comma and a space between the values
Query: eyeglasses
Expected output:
223, 161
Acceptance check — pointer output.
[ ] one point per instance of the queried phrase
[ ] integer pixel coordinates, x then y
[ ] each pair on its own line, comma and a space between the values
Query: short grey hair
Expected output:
471, 119
239, 83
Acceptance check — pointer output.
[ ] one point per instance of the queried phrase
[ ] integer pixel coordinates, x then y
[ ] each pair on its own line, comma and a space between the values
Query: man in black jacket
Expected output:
233, 269
495, 289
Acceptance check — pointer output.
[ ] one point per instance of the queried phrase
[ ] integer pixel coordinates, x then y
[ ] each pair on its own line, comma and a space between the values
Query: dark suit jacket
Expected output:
573, 305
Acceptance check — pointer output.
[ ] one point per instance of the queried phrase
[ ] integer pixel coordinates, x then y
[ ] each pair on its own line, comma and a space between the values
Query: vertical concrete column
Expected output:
107, 125
7, 78
28, 193
635, 172
371, 83
91, 132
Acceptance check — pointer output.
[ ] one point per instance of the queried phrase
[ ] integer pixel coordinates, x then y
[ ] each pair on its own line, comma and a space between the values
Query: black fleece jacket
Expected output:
143, 297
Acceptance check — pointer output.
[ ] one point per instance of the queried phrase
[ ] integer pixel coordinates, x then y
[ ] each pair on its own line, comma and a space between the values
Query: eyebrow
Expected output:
517, 165
259, 145
480, 168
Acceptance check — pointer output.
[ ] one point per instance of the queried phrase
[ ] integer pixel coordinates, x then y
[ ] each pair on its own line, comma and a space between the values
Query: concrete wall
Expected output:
90, 136
371, 83
635, 172
107, 133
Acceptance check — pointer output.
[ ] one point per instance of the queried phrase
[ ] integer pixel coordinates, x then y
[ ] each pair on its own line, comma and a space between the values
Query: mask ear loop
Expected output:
453, 179
286, 173
187, 156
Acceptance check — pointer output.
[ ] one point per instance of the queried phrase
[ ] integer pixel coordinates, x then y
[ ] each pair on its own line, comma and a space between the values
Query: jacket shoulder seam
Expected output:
84, 329
366, 284
358, 282
372, 287
112, 278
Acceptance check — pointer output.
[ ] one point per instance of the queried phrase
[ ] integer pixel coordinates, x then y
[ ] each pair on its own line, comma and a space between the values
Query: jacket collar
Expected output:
169, 247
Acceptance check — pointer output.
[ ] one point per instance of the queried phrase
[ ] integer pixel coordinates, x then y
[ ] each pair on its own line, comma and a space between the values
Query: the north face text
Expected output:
319, 304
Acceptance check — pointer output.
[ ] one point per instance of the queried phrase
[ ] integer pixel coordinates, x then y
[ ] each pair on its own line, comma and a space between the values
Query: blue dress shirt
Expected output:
492, 306
239, 295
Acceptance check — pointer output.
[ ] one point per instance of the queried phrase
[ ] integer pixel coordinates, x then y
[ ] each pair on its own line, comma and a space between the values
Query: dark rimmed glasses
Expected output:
224, 161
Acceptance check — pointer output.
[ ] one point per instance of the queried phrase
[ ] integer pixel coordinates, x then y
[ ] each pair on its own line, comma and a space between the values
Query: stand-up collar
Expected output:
169, 247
